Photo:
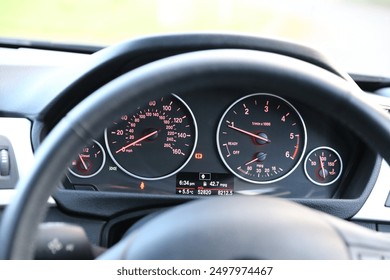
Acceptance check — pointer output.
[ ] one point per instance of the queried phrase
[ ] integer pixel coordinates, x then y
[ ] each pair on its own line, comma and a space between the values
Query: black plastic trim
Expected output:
117, 227
92, 227
47, 45
370, 83
107, 205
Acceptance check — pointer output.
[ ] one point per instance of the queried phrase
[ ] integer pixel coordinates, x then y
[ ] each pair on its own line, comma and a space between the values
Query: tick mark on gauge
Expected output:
227, 149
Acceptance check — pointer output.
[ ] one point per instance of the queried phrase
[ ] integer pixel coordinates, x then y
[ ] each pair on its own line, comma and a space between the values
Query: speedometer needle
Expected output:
250, 133
137, 141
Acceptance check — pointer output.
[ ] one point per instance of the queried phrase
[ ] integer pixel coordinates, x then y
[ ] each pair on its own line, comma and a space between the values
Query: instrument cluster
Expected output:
256, 143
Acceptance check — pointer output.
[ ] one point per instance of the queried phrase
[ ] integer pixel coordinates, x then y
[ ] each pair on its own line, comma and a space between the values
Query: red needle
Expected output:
322, 167
83, 162
137, 141
250, 133
252, 161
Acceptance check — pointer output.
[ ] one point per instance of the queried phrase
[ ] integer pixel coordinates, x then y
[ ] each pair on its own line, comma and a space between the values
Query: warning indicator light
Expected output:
198, 155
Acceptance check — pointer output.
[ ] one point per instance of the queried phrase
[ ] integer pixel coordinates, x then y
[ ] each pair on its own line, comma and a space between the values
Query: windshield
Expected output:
353, 33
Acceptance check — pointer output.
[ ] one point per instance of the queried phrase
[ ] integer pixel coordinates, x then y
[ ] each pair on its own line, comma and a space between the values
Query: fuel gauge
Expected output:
89, 162
323, 166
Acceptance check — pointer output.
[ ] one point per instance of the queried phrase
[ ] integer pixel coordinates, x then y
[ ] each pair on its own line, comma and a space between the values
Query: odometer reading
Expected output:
205, 184
154, 142
261, 138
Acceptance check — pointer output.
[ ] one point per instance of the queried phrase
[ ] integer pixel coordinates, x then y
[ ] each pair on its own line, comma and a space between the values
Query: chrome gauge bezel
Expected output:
301, 156
96, 172
333, 151
175, 170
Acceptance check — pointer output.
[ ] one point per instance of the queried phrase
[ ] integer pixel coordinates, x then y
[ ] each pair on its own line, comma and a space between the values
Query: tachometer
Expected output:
154, 142
261, 138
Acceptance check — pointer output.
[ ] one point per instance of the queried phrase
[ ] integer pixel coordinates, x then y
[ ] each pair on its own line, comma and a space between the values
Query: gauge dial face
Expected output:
261, 138
323, 166
154, 142
89, 162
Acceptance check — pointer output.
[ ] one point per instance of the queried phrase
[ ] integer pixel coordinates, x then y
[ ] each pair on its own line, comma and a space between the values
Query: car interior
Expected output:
191, 146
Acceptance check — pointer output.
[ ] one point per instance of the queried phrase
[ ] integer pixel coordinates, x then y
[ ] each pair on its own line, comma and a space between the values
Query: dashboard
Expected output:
245, 143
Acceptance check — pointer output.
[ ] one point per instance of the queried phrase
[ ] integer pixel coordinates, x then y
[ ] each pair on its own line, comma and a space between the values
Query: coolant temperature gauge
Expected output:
323, 166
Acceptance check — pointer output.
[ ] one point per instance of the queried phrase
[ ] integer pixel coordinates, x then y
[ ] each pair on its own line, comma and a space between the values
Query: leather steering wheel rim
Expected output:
242, 70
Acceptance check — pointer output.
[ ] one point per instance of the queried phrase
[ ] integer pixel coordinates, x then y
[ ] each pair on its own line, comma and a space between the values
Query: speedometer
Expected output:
154, 142
261, 138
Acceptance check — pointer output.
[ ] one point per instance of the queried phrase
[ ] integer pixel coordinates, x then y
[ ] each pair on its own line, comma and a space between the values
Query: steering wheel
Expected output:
256, 227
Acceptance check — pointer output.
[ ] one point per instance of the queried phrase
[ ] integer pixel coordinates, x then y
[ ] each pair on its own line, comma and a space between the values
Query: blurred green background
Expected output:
109, 21
345, 29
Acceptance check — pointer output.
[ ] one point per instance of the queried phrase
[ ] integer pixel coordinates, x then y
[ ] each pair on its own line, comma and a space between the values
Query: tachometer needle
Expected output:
83, 162
137, 141
250, 134
252, 161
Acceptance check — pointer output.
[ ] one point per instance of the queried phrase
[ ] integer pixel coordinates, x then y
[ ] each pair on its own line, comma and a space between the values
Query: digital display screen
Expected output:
203, 183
